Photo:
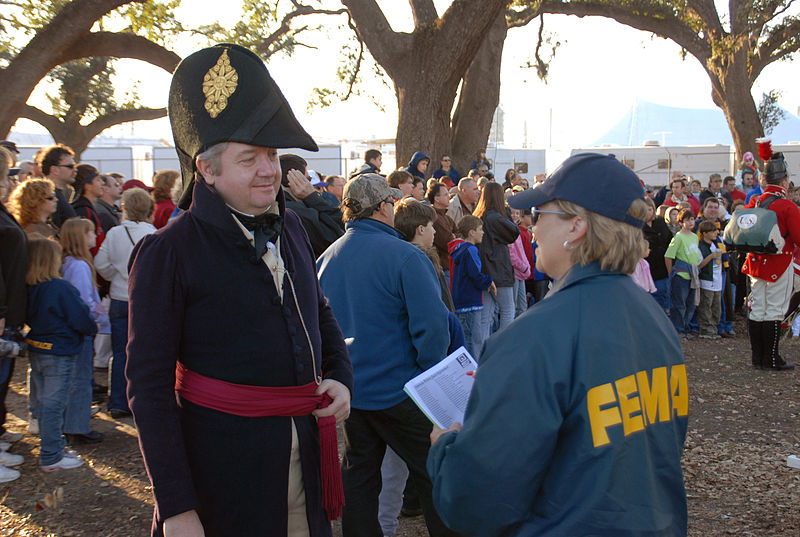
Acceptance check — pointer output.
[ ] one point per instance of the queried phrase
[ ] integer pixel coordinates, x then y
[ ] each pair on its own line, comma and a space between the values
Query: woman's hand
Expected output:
438, 431
184, 525
340, 406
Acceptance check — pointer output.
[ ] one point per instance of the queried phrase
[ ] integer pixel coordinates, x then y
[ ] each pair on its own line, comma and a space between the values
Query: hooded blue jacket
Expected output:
412, 164
468, 280
58, 318
576, 422
387, 299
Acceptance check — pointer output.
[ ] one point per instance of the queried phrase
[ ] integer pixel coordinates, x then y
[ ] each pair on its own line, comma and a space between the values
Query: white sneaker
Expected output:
8, 436
10, 459
66, 463
7, 474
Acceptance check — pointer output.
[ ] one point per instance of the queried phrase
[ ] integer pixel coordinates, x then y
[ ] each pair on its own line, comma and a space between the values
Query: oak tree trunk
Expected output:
480, 95
731, 91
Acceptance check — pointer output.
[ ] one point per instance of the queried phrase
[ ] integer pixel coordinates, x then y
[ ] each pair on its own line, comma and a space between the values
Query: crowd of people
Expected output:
67, 234
277, 302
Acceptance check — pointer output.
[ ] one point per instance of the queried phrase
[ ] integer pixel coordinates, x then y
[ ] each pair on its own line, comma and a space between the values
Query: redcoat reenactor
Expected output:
227, 313
771, 275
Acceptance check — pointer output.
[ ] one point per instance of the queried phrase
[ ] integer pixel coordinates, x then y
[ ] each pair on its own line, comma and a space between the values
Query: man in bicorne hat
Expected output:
771, 275
227, 313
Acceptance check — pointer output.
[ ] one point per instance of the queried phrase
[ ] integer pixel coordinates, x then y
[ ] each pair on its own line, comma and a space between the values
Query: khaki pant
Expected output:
298, 521
709, 311
769, 300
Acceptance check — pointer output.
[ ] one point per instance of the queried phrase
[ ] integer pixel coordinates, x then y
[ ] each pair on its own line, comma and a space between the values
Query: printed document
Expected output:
442, 392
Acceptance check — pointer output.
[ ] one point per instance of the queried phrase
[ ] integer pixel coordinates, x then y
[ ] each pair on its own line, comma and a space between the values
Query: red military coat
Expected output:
770, 267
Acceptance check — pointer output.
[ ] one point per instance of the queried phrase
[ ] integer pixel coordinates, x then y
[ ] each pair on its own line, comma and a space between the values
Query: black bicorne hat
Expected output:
224, 93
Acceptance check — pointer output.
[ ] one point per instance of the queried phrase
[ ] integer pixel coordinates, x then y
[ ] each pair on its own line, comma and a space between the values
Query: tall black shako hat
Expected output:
775, 168
224, 93
598, 183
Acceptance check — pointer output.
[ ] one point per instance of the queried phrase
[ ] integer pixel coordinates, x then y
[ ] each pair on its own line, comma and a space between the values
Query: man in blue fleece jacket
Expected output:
386, 297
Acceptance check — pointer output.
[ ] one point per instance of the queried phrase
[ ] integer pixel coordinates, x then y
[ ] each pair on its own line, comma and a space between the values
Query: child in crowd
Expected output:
710, 309
682, 257
59, 323
76, 237
641, 274
467, 281
521, 265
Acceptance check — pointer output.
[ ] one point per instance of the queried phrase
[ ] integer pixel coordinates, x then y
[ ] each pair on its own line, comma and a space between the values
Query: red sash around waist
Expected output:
261, 401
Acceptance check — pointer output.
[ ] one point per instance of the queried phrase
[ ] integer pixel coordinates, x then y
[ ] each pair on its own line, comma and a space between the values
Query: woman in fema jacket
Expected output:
577, 419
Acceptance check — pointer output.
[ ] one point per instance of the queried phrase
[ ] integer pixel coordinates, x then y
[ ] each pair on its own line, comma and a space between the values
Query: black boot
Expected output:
771, 359
756, 346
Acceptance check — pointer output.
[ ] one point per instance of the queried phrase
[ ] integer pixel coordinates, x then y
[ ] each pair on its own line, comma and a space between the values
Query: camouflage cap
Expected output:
368, 190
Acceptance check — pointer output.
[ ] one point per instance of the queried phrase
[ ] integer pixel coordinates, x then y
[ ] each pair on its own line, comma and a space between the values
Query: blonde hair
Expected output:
614, 244
163, 181
137, 205
28, 197
73, 241
44, 260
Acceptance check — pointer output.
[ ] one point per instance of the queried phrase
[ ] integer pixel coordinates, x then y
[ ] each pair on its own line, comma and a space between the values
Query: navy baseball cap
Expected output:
598, 183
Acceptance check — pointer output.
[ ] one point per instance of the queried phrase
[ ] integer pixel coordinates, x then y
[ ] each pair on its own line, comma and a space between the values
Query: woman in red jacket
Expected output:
163, 181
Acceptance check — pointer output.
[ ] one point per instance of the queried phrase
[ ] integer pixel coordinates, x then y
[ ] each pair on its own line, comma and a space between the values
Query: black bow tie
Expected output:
265, 228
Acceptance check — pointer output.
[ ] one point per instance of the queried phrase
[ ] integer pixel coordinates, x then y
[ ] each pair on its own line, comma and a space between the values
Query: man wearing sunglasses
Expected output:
58, 165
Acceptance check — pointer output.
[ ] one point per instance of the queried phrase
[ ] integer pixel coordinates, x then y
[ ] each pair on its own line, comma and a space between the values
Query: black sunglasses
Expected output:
70, 166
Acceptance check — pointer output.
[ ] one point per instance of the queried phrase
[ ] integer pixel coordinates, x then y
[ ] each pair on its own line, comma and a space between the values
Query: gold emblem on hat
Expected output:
219, 84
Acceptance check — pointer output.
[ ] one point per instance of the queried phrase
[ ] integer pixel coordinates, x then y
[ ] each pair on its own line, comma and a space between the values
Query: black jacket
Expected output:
199, 294
705, 194
64, 210
110, 215
498, 233
13, 265
365, 168
322, 221
658, 236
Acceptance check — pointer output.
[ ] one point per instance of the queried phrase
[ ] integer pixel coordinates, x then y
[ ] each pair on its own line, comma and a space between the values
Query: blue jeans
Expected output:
520, 298
502, 303
118, 315
682, 308
394, 474
53, 377
473, 333
725, 326
79, 402
662, 294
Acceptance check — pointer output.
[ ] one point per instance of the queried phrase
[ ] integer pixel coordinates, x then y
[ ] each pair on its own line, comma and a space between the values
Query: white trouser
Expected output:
769, 300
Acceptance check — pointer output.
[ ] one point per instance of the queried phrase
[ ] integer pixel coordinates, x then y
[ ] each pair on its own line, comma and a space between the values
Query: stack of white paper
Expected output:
442, 392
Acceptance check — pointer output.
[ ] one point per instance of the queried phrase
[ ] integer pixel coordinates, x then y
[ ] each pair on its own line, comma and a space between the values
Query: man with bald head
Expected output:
465, 200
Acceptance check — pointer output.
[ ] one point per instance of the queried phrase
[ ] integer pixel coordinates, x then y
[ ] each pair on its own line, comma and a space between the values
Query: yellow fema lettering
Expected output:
637, 402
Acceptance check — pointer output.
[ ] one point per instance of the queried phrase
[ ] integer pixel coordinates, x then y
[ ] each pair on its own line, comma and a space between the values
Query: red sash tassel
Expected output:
261, 401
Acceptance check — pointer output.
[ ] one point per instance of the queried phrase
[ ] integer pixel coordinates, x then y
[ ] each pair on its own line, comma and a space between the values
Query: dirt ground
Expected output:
743, 424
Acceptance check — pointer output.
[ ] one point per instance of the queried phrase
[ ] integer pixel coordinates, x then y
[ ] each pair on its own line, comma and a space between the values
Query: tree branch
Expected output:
782, 41
374, 30
51, 123
424, 12
518, 19
263, 47
451, 24
663, 24
707, 12
123, 116
120, 45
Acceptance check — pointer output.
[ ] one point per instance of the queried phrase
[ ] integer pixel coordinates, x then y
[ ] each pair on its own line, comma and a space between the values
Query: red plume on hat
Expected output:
764, 148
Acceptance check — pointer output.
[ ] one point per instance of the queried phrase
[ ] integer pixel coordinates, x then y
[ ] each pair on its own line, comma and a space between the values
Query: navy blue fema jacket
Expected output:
58, 318
412, 164
576, 422
199, 294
